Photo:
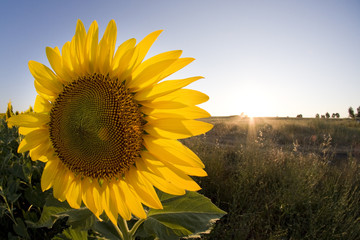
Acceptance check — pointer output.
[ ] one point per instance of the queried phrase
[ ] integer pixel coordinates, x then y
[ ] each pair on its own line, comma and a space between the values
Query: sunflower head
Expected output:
96, 127
107, 123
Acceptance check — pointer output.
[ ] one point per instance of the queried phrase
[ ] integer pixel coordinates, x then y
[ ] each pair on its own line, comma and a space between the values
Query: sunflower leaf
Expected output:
70, 233
53, 210
181, 216
106, 229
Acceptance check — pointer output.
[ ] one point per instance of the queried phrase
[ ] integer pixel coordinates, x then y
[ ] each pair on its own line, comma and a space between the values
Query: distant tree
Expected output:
327, 114
358, 112
337, 115
317, 116
9, 110
351, 112
333, 115
299, 116
322, 116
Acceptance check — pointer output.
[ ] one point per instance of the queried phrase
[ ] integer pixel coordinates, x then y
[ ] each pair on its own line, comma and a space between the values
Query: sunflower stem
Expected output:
118, 231
124, 230
136, 226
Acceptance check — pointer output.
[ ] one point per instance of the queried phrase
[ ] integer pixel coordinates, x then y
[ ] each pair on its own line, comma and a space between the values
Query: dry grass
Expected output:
282, 178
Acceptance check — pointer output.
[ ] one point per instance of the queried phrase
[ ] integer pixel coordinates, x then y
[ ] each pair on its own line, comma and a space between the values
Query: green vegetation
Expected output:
21, 198
278, 178
282, 178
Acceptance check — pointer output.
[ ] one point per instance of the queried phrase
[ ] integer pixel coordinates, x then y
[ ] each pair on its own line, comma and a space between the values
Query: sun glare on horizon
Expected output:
256, 105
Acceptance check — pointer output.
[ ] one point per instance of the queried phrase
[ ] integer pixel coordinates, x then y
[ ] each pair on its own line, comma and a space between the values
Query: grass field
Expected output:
282, 178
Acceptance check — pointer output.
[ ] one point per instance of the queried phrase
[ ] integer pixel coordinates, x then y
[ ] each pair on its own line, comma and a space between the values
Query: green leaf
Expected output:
106, 229
71, 234
181, 216
21, 229
35, 196
53, 210
81, 218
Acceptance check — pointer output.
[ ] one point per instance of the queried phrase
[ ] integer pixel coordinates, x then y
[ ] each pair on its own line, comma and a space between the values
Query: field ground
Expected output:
307, 133
282, 178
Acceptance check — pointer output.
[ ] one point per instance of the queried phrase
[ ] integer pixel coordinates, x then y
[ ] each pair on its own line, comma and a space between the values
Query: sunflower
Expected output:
107, 124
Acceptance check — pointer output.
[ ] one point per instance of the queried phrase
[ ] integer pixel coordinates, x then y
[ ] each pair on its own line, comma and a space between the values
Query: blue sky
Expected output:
263, 58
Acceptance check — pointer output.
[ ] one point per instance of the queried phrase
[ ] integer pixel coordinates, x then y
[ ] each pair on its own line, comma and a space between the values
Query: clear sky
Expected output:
263, 58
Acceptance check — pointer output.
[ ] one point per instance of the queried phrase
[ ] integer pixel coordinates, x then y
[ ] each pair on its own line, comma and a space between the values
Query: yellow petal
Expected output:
178, 99
67, 61
57, 50
44, 92
164, 105
97, 195
25, 130
192, 171
172, 151
176, 128
42, 105
121, 71
87, 197
164, 185
31, 120
175, 54
49, 173
79, 39
76, 69
55, 61
167, 171
40, 151
143, 188
91, 47
49, 154
45, 77
149, 73
73, 195
163, 88
61, 184
119, 200
132, 200
106, 48
192, 112
120, 52
110, 206
176, 66
143, 47
70, 64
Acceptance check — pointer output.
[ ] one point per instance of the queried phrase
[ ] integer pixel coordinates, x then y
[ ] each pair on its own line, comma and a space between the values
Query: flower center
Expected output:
96, 127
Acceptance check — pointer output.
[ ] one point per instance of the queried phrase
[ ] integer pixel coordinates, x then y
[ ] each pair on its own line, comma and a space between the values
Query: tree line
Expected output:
352, 113
327, 115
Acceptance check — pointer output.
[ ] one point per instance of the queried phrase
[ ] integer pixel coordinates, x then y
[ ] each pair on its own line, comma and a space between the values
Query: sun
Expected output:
256, 102
255, 107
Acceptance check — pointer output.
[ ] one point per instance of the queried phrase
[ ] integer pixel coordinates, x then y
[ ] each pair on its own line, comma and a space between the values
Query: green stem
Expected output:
9, 210
118, 231
124, 229
136, 226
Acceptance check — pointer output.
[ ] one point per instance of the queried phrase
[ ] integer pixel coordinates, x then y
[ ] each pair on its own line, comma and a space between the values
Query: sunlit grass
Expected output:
277, 181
